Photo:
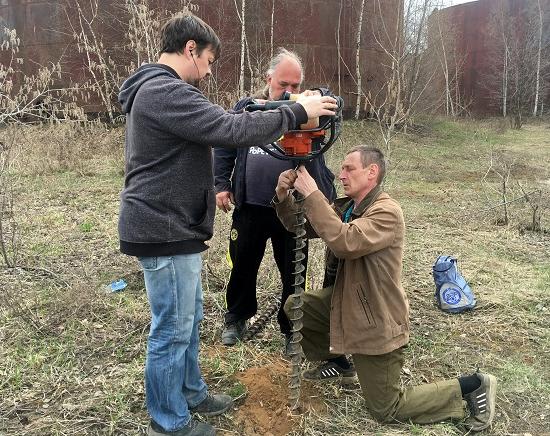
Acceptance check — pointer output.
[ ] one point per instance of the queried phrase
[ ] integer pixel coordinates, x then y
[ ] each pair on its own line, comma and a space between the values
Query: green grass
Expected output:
72, 355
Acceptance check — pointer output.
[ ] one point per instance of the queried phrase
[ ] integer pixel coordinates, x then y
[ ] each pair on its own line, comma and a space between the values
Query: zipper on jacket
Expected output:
366, 306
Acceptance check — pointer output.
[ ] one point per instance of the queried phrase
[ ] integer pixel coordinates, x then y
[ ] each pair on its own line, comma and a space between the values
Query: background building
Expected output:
82, 34
492, 55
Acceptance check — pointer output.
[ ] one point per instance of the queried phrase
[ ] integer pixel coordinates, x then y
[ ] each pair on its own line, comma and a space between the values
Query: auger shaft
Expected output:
296, 314
262, 320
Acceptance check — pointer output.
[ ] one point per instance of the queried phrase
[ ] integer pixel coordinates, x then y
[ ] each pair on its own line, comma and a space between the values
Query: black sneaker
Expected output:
213, 405
193, 428
331, 371
481, 403
233, 332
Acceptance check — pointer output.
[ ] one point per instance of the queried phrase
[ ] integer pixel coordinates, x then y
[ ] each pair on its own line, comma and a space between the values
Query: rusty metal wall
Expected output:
307, 26
476, 45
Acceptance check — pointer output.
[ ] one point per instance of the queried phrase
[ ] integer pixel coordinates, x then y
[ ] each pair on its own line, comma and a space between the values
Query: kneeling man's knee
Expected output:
288, 306
383, 416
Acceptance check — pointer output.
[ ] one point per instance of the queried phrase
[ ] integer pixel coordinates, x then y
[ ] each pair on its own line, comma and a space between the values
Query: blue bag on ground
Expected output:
452, 292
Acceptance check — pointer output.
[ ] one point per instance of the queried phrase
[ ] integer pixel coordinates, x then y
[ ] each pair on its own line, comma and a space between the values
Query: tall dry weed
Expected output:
47, 149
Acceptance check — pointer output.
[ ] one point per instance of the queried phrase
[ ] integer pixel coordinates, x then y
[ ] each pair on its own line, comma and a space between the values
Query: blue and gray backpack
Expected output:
452, 292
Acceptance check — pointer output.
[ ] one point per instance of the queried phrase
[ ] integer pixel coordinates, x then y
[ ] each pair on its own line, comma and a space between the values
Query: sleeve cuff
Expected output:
222, 188
299, 113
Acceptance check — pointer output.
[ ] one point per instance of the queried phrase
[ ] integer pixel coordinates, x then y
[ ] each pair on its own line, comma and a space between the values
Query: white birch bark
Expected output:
449, 107
537, 81
505, 83
241, 16
357, 66
338, 48
272, 28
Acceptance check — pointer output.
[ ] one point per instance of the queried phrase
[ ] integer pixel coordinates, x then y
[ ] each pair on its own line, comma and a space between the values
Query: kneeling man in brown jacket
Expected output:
362, 309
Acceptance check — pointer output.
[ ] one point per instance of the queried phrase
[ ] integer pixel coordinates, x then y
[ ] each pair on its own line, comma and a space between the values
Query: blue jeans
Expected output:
173, 381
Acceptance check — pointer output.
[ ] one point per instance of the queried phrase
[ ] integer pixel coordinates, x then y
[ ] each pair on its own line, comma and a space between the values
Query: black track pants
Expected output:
252, 227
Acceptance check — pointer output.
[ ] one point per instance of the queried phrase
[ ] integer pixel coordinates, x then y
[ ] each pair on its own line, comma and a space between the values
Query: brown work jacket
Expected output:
369, 308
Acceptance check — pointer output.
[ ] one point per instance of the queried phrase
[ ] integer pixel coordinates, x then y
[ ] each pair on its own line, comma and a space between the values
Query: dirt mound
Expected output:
265, 410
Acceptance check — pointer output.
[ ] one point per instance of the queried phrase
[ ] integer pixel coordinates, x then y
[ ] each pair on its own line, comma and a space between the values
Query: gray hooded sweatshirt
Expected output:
168, 202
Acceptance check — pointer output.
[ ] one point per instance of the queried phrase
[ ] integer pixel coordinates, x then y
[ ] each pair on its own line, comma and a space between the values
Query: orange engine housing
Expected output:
299, 143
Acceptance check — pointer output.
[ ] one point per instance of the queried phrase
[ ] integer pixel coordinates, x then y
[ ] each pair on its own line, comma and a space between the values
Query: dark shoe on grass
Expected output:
193, 428
233, 332
481, 403
328, 371
213, 405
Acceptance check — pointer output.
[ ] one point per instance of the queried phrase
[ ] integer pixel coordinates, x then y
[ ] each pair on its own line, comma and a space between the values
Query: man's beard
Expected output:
274, 97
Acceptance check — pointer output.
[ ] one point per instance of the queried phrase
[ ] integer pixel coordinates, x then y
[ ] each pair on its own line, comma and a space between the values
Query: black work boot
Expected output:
213, 405
481, 403
233, 332
192, 428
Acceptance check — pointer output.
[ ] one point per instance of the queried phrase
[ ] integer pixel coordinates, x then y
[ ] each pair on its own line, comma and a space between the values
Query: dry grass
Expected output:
72, 355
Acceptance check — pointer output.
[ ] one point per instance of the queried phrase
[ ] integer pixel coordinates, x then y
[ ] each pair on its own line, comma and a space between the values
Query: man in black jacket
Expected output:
247, 179
167, 207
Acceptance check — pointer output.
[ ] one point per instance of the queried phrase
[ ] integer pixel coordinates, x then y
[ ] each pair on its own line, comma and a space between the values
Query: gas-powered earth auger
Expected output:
298, 146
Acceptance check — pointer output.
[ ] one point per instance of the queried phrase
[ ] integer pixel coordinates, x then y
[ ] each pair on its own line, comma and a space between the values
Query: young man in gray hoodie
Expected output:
168, 204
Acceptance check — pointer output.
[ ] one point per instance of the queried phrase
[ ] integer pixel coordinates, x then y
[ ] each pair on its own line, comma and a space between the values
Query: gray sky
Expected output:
457, 2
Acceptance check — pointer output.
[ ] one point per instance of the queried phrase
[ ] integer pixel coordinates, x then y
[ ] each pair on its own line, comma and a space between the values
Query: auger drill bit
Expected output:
259, 324
296, 314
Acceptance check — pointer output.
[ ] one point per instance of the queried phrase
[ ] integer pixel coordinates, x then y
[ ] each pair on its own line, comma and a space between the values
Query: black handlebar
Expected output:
333, 123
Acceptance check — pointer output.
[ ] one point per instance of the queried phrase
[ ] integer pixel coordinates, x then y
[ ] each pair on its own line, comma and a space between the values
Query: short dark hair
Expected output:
371, 155
184, 27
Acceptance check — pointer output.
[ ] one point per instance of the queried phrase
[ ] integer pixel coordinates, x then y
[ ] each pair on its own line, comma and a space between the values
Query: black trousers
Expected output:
251, 228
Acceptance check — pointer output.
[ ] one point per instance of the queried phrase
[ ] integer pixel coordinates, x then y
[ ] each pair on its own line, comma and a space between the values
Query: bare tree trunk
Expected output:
272, 27
243, 44
357, 66
517, 101
416, 64
9, 240
537, 82
449, 107
338, 48
501, 20
504, 199
505, 83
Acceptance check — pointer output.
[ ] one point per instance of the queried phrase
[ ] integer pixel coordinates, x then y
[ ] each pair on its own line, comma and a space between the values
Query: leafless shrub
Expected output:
105, 67
537, 200
9, 232
32, 98
501, 167
104, 72
503, 191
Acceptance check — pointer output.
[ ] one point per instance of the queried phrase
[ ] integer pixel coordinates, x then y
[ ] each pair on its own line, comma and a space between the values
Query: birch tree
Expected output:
417, 32
519, 60
339, 48
539, 51
449, 106
272, 28
357, 59
242, 19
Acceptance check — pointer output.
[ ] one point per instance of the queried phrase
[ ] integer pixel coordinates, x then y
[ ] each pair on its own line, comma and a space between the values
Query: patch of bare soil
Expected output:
265, 410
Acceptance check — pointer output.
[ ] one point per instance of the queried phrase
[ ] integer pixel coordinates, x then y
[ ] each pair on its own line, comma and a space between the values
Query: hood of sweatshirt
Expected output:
132, 84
